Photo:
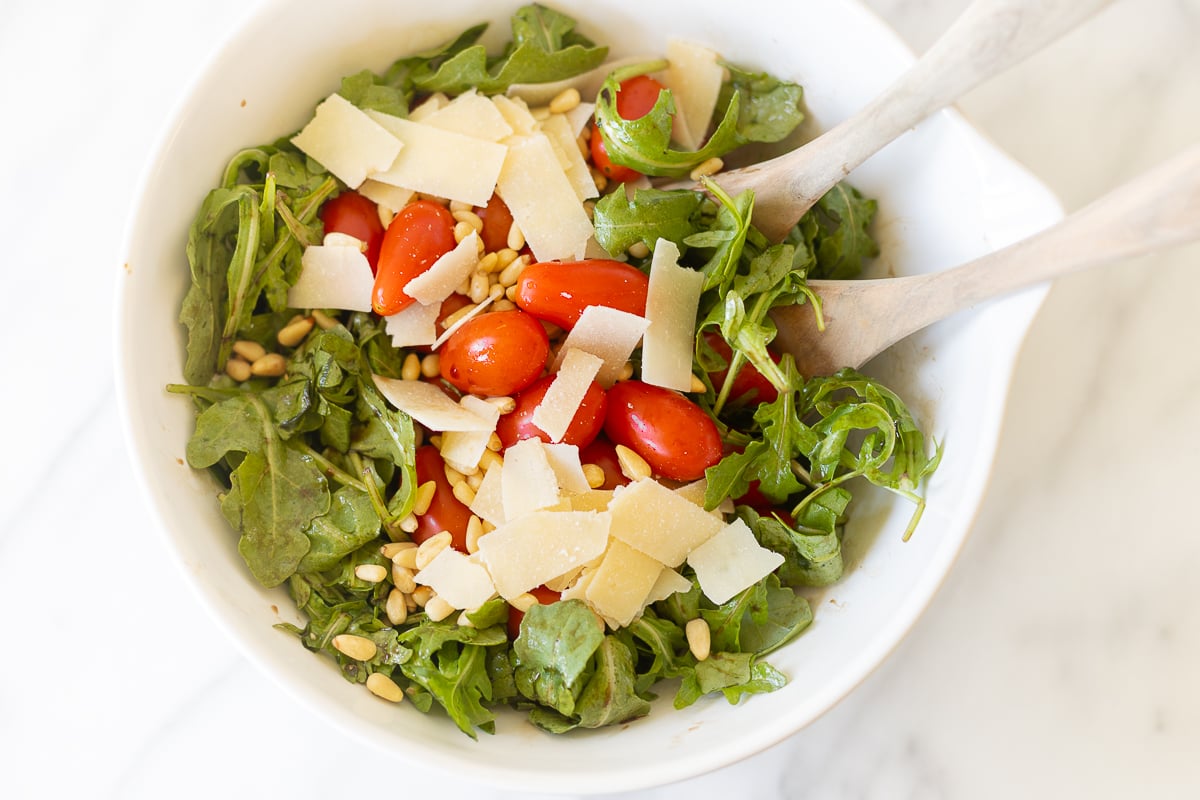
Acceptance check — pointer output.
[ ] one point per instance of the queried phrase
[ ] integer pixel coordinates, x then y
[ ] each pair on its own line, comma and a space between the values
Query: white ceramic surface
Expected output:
945, 195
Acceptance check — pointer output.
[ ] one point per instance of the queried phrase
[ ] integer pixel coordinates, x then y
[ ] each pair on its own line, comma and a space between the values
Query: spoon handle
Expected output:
989, 37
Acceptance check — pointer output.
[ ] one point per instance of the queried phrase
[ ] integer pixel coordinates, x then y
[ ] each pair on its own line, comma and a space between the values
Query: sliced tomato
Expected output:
420, 234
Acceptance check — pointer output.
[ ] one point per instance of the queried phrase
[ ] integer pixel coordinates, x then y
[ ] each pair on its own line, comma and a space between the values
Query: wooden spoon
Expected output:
989, 37
862, 318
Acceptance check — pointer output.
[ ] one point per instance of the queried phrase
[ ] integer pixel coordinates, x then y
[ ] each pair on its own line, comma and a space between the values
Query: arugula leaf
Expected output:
350, 523
769, 108
650, 215
734, 674
836, 230
367, 90
610, 695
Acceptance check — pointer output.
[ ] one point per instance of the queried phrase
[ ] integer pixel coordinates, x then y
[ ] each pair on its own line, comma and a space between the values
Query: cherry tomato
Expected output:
497, 219
637, 95
499, 353
749, 385
675, 436
354, 215
420, 234
603, 454
585, 425
559, 291
544, 596
446, 512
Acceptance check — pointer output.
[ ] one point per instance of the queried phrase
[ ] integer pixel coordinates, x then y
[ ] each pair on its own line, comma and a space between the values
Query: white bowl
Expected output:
945, 195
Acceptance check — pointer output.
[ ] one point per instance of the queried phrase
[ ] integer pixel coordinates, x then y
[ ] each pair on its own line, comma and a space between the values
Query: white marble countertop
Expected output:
1059, 660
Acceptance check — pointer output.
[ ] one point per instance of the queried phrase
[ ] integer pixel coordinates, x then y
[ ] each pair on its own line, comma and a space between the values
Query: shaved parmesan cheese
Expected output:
488, 504
333, 276
430, 406
731, 561
516, 114
441, 162
336, 239
416, 324
576, 588
564, 460
443, 276
528, 481
671, 302
607, 333
591, 500
695, 492
565, 393
346, 141
620, 585
471, 114
558, 131
463, 449
694, 76
433, 103
587, 83
457, 579
541, 546
579, 117
542, 200
458, 323
393, 198
653, 519
669, 582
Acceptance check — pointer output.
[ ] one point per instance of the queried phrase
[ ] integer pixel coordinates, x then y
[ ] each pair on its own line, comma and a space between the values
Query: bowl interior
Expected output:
945, 195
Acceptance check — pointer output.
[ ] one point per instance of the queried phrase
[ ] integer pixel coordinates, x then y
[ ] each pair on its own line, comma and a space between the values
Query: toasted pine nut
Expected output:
489, 263
409, 523
710, 167
390, 549
460, 205
293, 333
438, 609
250, 350
425, 493
462, 230
474, 531
474, 479
494, 443
421, 596
456, 316
626, 372
272, 365
510, 274
360, 648
470, 217
495, 290
464, 621
490, 459
464, 493
516, 237
432, 547
564, 101
323, 320
431, 366
510, 294
540, 113
505, 257
594, 474
599, 179
633, 466
402, 578
504, 304
523, 602
237, 369
411, 370
396, 607
480, 285
453, 476
406, 558
386, 215
381, 685
371, 573
699, 638
698, 386
639, 250
436, 440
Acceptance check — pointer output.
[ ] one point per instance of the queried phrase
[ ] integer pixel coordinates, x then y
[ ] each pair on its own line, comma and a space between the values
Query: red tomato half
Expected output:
446, 512
499, 353
497, 219
559, 291
354, 215
585, 425
544, 596
675, 436
420, 234
749, 385
637, 95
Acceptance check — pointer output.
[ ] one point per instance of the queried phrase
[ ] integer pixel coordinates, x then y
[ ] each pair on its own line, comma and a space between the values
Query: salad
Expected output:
502, 416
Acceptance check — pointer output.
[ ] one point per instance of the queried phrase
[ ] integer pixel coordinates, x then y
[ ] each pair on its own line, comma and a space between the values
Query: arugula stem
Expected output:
371, 487
332, 470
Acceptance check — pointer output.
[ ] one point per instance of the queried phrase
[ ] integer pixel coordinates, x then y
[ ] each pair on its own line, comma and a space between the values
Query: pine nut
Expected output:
470, 217
390, 549
453, 476
386, 215
460, 205
474, 479
474, 531
505, 404
456, 316
505, 257
564, 101
421, 596
293, 334
272, 365
710, 167
406, 558
516, 237
436, 440
478, 291
438, 609
504, 304
599, 179
510, 274
494, 443
431, 366
510, 294
432, 547
411, 370
594, 474
633, 466
462, 230
249, 350
371, 573
381, 685
396, 607
540, 113
488, 263
237, 369
464, 621
410, 523
323, 320
425, 493
523, 602
490, 458
464, 493
584, 144
698, 386
360, 648
639, 250
626, 372
495, 290
403, 580
699, 638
